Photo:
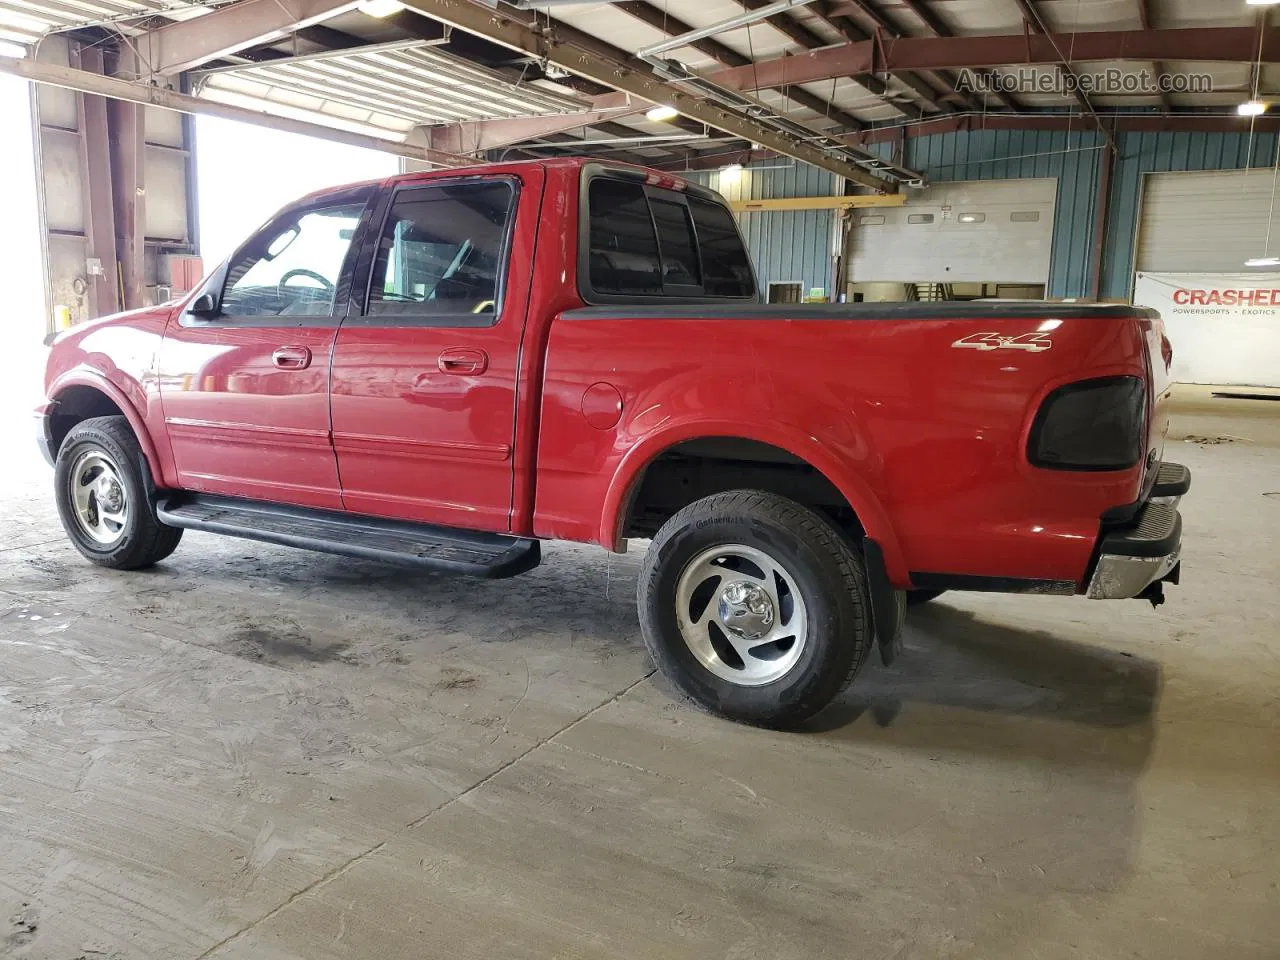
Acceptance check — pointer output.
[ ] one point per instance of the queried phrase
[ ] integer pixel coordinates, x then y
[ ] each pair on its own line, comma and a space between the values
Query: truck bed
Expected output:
944, 310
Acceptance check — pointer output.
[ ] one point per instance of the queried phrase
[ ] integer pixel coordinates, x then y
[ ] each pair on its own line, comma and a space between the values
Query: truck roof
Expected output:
551, 163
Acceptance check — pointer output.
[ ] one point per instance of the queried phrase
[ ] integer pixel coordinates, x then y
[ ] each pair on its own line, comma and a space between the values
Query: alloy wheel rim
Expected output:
741, 614
99, 498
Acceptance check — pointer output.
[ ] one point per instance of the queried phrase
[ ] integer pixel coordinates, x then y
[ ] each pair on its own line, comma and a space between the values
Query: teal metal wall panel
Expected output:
1143, 153
798, 245
1071, 156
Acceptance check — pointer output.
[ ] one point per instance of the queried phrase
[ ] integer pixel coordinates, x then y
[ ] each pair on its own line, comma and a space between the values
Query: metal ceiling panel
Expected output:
26, 21
619, 28
392, 88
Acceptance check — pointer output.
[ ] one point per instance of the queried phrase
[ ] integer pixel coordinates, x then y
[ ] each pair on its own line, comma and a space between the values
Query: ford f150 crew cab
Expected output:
444, 369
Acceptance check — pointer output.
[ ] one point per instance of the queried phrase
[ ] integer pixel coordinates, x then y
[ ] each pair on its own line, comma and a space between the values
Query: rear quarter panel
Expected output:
926, 440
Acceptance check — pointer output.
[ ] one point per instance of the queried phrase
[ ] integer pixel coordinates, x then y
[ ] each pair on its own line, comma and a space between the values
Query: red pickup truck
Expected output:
444, 369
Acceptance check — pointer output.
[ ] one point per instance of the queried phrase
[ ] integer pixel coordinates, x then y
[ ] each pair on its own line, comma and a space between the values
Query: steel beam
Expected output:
188, 44
1144, 18
477, 136
1117, 122
1100, 213
806, 38
127, 128
1037, 23
166, 99
820, 203
96, 189
828, 11
939, 28
1207, 44
659, 19
951, 123
531, 35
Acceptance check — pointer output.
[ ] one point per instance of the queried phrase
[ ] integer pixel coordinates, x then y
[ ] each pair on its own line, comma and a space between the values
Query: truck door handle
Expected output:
463, 361
292, 358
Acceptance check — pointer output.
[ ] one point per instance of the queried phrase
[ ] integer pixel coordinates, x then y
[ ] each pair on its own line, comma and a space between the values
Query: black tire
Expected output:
916, 598
142, 539
826, 570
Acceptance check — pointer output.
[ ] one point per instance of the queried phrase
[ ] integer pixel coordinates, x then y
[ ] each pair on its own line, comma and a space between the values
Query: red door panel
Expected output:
240, 423
419, 442
245, 386
424, 382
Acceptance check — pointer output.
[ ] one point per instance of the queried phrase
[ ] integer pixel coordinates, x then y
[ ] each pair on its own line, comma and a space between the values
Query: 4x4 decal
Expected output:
1033, 342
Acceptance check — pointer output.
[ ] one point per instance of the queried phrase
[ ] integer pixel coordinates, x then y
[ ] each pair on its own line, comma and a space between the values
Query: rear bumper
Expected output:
1136, 560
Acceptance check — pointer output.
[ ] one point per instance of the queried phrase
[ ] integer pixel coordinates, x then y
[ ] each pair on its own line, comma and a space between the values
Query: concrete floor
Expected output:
252, 752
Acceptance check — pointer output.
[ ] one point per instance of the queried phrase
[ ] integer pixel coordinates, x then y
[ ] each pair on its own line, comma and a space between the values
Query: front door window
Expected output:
291, 269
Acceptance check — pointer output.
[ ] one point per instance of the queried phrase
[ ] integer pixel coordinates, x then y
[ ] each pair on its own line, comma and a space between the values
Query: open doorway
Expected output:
22, 359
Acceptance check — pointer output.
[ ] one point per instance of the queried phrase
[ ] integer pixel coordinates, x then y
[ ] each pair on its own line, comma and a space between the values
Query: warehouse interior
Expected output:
254, 751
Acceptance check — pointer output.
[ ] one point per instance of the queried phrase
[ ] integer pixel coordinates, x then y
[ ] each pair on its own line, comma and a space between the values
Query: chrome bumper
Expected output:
1132, 560
1123, 578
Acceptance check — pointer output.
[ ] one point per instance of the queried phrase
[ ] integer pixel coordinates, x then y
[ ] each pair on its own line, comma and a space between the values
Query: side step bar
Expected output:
1157, 533
1172, 480
474, 554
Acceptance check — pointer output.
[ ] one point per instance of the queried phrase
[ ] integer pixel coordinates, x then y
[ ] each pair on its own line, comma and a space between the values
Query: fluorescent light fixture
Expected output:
1252, 108
731, 171
380, 8
1262, 262
972, 217
8, 49
659, 114
1261, 3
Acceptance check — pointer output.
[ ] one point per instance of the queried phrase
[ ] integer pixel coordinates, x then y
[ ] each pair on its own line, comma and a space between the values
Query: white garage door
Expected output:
1195, 232
980, 231
1204, 222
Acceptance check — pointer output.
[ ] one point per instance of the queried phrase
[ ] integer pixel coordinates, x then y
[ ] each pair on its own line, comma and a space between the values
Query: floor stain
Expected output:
283, 648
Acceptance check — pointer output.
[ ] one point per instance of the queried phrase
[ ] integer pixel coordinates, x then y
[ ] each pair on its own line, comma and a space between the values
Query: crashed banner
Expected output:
1225, 327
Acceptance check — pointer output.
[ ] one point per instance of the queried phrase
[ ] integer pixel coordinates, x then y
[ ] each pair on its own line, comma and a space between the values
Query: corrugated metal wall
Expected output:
1069, 155
798, 246
1143, 153
785, 246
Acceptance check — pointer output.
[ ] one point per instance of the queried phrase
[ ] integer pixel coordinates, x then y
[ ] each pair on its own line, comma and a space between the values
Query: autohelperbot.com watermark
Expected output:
1109, 82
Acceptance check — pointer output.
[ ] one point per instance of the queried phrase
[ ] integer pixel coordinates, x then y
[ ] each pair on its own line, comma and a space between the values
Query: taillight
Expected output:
1091, 425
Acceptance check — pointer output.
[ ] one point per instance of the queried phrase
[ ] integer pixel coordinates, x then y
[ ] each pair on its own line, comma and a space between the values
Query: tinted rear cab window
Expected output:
649, 242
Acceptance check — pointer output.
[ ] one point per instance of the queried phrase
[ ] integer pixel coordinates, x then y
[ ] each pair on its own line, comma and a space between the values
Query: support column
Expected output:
96, 188
127, 125
1101, 210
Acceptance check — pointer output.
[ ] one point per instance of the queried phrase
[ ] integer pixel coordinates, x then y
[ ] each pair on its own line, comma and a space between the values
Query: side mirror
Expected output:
204, 305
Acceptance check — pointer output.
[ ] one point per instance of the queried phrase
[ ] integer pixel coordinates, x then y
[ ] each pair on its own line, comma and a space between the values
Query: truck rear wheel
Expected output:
104, 498
755, 607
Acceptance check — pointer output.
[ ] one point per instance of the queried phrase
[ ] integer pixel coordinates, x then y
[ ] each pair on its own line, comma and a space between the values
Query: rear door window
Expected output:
726, 267
676, 244
442, 252
645, 241
624, 255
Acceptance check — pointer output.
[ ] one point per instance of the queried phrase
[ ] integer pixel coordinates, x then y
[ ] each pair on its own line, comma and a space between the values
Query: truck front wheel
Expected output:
755, 607
103, 500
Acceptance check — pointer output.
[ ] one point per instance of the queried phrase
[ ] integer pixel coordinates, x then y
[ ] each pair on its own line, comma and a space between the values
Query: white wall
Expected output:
246, 173
22, 280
